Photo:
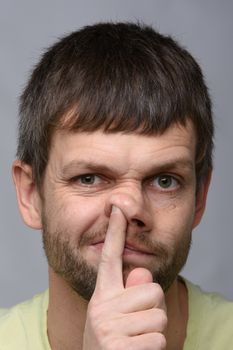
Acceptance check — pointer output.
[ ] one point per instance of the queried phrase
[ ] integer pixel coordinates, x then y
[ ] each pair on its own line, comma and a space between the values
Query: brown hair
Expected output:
116, 77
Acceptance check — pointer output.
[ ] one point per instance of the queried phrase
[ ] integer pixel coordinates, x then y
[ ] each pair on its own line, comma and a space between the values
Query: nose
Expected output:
134, 206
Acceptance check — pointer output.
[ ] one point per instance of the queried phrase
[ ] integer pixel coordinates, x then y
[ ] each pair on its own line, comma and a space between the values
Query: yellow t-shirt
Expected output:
24, 326
210, 325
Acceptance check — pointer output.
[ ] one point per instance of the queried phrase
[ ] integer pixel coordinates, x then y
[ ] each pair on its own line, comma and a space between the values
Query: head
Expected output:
114, 79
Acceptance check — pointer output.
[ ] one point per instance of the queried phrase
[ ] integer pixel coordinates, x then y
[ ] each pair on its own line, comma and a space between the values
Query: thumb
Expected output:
137, 276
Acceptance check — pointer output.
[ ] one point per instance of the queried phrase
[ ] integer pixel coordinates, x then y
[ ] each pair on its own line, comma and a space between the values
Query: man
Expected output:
114, 164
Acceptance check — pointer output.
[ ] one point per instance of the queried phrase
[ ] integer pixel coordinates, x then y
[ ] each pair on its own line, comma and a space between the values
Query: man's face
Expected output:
150, 178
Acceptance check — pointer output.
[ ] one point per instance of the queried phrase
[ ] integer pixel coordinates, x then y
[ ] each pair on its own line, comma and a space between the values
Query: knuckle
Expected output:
95, 312
157, 292
105, 257
106, 261
103, 329
163, 320
161, 342
159, 319
92, 307
114, 343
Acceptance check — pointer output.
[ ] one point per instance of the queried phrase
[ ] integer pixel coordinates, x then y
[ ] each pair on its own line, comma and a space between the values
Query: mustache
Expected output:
142, 239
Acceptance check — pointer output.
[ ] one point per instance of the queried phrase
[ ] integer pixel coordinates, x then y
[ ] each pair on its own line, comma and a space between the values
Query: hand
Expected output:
124, 317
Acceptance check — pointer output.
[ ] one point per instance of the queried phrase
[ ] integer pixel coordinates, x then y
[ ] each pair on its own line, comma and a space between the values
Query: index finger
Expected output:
110, 278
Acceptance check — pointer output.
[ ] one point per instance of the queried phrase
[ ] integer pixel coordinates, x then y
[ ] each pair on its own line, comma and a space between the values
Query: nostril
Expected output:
138, 222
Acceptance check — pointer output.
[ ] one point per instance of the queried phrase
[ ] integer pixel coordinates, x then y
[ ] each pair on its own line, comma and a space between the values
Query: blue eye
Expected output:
165, 182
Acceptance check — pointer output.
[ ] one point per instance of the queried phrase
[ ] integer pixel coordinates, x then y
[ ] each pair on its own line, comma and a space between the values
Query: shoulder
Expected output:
210, 319
23, 323
214, 303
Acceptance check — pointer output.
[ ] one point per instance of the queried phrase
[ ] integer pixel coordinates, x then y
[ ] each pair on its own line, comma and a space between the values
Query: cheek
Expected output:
74, 214
175, 219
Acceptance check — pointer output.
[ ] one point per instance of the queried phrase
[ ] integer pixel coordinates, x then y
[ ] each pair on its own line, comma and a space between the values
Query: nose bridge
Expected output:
131, 199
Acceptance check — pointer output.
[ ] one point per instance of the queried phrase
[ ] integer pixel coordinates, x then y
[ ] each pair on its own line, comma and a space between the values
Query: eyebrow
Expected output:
89, 165
92, 165
176, 163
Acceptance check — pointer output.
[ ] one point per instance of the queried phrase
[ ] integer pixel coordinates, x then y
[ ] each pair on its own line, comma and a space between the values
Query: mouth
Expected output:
133, 254
129, 249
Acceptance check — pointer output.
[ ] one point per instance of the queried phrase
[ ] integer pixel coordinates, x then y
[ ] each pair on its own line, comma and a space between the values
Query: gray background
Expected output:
205, 28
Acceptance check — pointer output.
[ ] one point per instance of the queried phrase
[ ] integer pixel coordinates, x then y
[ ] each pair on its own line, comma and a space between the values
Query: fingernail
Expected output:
115, 209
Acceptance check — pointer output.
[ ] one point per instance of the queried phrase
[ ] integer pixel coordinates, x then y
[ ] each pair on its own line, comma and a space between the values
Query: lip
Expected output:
128, 248
137, 249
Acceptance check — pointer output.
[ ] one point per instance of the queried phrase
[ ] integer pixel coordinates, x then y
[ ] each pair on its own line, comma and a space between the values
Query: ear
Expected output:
29, 200
201, 197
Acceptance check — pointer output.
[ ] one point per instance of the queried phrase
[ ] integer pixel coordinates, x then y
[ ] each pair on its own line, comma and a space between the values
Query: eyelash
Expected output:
175, 182
77, 180
79, 177
148, 181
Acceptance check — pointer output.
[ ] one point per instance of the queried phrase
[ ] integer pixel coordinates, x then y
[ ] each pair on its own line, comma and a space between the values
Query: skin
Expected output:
104, 222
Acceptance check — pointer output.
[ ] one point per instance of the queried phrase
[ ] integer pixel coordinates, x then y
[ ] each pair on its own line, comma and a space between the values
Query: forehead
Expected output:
130, 148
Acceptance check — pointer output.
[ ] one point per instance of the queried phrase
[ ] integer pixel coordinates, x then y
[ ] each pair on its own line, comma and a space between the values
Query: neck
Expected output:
67, 315
177, 311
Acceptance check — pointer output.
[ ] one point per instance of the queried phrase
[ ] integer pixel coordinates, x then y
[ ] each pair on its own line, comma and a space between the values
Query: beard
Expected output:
66, 260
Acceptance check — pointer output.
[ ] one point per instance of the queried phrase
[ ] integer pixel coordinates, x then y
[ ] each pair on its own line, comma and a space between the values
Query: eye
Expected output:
88, 179
165, 182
